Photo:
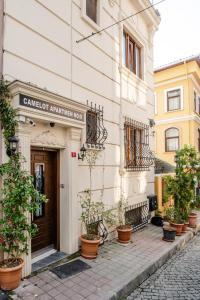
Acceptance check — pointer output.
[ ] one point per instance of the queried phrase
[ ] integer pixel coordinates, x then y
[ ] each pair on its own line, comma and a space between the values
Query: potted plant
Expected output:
91, 212
181, 186
17, 199
169, 233
192, 217
173, 215
157, 220
124, 229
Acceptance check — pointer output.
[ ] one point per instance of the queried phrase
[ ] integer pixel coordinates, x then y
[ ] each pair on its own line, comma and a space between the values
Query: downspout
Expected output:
121, 123
1, 36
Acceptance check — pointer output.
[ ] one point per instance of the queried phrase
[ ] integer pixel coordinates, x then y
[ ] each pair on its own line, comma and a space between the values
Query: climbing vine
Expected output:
7, 113
18, 194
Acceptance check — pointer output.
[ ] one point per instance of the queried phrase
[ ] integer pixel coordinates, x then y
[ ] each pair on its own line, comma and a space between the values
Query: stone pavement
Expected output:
179, 278
117, 271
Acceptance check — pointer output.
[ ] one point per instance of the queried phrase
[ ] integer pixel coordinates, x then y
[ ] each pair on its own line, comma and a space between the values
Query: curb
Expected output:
178, 245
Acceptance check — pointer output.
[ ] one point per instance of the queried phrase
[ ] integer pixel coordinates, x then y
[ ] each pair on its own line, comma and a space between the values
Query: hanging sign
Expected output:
50, 108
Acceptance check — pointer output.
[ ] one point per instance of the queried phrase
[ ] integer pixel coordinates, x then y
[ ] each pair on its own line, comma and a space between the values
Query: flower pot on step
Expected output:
184, 228
178, 228
124, 233
169, 233
89, 246
10, 277
192, 220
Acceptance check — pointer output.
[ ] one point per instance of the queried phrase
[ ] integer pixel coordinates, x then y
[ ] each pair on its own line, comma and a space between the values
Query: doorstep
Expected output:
45, 262
116, 272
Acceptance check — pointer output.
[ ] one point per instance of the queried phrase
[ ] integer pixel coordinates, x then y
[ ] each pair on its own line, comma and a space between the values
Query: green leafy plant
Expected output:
121, 208
181, 186
18, 194
92, 211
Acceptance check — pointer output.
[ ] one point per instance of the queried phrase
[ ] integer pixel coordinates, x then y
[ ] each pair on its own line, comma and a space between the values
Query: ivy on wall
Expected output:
18, 194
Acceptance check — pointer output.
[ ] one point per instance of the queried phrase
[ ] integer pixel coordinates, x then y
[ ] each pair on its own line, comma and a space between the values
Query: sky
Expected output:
178, 35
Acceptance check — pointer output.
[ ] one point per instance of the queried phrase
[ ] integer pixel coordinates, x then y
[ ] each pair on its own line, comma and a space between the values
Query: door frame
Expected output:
33, 148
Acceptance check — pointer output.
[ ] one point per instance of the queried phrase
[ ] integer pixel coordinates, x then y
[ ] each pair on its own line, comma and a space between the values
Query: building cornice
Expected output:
192, 117
151, 14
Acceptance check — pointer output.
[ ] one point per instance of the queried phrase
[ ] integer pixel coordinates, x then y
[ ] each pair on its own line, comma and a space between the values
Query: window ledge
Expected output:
90, 22
138, 80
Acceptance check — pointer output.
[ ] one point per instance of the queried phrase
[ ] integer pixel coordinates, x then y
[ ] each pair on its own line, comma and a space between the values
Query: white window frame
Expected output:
165, 99
141, 43
96, 26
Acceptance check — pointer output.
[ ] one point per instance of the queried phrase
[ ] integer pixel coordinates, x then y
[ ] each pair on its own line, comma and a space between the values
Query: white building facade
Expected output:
54, 77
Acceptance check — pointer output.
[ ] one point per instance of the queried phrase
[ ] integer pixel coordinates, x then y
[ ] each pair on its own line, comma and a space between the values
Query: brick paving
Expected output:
117, 271
179, 278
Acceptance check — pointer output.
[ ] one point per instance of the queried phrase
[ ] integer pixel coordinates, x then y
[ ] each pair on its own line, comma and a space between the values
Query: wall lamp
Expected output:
82, 153
13, 145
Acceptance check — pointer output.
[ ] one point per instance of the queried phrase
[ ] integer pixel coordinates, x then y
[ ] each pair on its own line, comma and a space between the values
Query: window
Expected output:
96, 133
138, 156
131, 55
91, 9
199, 140
39, 186
91, 127
171, 139
174, 100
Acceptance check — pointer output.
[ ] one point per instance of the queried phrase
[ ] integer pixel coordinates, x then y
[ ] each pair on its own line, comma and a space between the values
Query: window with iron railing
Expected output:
96, 133
138, 156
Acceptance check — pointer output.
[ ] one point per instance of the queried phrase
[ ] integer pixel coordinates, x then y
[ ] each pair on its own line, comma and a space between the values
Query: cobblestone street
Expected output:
179, 278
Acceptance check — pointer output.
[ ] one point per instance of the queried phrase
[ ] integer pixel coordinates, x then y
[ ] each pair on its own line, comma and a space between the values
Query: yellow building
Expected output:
177, 107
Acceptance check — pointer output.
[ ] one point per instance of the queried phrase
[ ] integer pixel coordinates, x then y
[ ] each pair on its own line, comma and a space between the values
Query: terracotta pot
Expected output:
193, 220
178, 228
169, 233
184, 228
10, 277
124, 234
89, 248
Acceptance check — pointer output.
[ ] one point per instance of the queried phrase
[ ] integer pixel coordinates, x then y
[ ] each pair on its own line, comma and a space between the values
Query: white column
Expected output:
69, 207
23, 134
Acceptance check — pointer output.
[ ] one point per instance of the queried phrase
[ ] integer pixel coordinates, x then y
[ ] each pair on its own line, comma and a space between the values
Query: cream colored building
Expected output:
53, 80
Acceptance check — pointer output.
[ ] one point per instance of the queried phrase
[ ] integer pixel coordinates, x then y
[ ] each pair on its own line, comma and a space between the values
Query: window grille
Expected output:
138, 156
96, 133
137, 215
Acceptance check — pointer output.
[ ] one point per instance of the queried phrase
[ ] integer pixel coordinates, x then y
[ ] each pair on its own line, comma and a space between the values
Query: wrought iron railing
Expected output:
138, 155
137, 215
96, 133
96, 226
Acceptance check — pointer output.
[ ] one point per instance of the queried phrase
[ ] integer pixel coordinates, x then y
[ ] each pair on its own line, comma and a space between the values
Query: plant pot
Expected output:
192, 220
178, 228
10, 277
157, 221
124, 234
169, 234
184, 228
89, 248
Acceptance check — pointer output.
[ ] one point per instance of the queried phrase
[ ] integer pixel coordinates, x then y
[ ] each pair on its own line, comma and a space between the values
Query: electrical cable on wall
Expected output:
124, 19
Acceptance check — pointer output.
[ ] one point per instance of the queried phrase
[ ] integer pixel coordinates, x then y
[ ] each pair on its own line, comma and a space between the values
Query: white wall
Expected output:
40, 47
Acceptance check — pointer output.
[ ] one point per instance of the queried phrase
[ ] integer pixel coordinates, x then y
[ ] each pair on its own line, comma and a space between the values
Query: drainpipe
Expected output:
121, 123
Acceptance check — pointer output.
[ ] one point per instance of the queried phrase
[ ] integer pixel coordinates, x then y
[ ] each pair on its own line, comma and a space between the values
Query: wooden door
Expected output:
44, 170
